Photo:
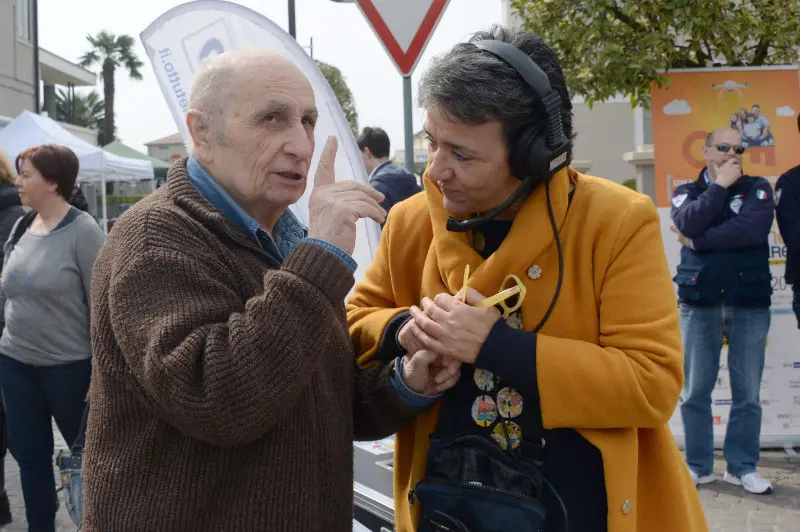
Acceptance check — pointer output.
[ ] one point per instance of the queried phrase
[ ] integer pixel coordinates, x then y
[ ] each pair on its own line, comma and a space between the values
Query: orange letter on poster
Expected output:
691, 138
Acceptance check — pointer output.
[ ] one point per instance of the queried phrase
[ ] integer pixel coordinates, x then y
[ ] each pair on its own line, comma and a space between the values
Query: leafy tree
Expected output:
342, 91
85, 110
619, 46
111, 52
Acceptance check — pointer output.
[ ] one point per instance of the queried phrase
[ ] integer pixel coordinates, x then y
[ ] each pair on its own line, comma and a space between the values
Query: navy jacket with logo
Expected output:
729, 229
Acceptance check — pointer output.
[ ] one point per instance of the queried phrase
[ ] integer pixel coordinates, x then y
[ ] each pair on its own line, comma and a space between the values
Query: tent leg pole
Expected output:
105, 204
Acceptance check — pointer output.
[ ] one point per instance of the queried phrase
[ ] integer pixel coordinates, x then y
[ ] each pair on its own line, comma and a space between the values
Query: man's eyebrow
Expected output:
270, 108
311, 112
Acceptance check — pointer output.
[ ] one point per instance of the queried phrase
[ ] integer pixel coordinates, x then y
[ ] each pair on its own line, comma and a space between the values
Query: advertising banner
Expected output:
762, 104
178, 41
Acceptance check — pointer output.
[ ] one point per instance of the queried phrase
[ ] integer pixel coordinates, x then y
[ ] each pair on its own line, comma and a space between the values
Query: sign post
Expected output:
404, 29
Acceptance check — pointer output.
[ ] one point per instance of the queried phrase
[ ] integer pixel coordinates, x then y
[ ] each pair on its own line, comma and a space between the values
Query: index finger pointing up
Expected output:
325, 169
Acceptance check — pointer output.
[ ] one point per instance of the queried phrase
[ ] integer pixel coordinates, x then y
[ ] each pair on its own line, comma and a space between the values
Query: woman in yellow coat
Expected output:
586, 373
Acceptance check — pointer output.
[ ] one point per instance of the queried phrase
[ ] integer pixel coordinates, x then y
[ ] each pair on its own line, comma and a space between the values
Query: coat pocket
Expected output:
754, 284
689, 289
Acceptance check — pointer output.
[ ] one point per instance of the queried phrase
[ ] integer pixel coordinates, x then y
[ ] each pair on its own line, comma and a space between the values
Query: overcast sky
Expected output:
341, 36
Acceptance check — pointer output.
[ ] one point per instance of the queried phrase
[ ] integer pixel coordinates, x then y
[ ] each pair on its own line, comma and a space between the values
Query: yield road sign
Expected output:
403, 27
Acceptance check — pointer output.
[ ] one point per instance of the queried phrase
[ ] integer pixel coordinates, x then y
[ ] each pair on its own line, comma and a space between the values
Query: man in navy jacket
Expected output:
394, 182
723, 220
787, 208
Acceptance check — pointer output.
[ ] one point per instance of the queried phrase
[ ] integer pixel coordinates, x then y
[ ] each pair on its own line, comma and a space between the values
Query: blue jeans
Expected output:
33, 395
703, 329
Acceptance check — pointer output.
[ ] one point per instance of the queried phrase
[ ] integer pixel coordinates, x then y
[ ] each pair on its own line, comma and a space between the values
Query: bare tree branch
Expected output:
625, 19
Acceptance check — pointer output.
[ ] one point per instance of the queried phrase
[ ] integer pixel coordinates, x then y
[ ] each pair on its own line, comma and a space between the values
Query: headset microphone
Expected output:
457, 226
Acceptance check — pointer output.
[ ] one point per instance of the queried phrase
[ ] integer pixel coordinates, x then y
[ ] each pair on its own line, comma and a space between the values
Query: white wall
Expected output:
16, 64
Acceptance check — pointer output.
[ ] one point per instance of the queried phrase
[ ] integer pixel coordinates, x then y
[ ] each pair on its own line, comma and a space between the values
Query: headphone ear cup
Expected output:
530, 155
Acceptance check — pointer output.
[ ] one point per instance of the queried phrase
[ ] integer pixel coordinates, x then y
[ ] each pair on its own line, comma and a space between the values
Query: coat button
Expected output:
534, 272
626, 507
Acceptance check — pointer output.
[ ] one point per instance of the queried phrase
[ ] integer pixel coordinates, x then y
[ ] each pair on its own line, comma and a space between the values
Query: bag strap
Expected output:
21, 227
80, 439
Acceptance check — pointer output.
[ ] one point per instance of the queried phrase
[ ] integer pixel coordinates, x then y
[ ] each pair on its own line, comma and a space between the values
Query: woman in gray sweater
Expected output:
45, 348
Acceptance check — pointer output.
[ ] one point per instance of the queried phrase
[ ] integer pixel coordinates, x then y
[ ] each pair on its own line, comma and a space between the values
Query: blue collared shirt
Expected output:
287, 233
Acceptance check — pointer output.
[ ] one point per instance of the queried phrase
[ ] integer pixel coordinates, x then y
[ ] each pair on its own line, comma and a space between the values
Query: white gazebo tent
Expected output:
96, 165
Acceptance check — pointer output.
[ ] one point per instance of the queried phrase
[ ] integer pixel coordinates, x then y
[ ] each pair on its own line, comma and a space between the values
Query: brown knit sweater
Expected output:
225, 395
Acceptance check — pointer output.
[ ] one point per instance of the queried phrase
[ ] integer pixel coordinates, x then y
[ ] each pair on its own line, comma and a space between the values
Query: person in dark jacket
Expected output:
10, 211
10, 205
723, 220
78, 200
394, 182
787, 211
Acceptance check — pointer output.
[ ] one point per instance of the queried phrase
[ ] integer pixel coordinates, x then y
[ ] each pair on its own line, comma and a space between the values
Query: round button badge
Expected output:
484, 411
509, 403
484, 379
514, 434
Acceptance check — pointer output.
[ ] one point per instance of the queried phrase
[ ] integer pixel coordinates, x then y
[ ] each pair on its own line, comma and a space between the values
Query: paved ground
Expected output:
728, 508
731, 509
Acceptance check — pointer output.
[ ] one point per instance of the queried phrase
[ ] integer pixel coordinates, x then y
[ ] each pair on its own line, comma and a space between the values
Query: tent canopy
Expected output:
29, 130
123, 150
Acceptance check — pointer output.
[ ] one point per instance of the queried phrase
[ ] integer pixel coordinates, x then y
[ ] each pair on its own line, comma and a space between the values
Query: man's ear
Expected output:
200, 131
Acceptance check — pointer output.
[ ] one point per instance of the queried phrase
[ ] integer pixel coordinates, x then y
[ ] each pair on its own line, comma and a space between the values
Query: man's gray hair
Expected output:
474, 87
208, 94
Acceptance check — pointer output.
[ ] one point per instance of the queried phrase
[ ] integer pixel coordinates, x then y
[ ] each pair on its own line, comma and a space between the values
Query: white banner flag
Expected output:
180, 39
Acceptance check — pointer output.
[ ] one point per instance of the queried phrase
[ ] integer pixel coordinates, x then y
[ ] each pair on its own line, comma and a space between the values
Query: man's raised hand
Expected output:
334, 208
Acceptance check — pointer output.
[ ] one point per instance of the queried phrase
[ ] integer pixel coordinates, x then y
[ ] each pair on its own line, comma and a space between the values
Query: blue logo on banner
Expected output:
722, 402
796, 365
211, 47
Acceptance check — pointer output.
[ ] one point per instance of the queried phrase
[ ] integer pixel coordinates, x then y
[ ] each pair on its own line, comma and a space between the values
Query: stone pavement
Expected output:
728, 508
731, 509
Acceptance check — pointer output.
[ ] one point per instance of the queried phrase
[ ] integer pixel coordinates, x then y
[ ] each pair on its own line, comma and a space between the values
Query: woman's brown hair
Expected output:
57, 164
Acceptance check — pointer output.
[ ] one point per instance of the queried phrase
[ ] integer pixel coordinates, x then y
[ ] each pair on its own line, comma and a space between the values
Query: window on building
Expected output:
24, 20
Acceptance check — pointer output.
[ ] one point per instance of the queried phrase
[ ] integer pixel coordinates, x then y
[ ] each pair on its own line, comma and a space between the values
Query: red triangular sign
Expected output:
404, 27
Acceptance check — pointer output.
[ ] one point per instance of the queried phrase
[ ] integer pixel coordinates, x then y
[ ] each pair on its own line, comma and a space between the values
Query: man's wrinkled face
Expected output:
469, 163
726, 138
262, 149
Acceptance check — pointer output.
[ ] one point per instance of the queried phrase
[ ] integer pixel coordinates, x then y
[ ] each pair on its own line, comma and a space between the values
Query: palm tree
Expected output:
110, 52
86, 110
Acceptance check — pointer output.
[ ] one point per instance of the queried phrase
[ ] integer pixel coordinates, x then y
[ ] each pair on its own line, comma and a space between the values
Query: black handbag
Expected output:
472, 485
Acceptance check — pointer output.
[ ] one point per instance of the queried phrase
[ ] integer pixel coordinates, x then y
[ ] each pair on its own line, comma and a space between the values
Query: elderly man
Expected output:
572, 379
225, 394
723, 220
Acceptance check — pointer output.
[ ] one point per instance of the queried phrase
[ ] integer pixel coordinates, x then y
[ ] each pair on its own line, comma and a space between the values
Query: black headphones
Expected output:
538, 150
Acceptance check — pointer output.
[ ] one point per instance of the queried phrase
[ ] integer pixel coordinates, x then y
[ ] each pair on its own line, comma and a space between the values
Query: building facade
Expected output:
167, 148
17, 74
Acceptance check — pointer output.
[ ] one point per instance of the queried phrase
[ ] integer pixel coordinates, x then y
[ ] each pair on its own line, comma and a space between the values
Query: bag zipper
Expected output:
476, 485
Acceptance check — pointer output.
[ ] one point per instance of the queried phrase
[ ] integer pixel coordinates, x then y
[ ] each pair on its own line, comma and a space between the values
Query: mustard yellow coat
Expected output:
609, 359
